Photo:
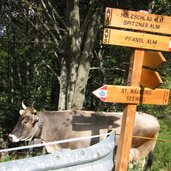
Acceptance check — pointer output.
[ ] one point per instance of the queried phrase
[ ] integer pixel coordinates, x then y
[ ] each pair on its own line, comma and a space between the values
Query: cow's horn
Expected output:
33, 104
23, 105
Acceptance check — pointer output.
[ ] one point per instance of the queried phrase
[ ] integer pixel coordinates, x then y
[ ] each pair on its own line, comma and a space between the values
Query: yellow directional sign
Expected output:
153, 59
150, 79
137, 20
136, 39
132, 95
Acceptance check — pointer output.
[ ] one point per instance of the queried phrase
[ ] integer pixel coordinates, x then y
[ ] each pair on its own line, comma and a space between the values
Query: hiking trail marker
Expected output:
132, 95
142, 77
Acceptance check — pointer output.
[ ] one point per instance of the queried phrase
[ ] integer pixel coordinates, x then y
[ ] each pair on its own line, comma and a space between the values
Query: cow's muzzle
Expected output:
13, 138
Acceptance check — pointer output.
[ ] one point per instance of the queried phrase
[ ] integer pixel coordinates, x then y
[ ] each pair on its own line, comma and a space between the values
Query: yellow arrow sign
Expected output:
150, 79
132, 95
137, 20
136, 40
153, 59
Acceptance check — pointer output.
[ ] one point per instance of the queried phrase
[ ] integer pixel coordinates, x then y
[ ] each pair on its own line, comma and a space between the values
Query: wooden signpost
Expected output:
136, 40
122, 156
150, 79
132, 95
153, 59
137, 20
138, 76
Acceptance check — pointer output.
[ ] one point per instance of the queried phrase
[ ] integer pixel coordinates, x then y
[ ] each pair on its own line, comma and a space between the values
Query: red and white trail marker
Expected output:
101, 93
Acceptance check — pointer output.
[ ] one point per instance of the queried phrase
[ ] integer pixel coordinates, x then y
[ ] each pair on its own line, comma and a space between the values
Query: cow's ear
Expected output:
21, 111
34, 112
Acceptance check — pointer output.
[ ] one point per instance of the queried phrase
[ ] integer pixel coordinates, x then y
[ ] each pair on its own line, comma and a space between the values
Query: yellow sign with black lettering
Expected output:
137, 20
132, 95
150, 78
153, 59
136, 40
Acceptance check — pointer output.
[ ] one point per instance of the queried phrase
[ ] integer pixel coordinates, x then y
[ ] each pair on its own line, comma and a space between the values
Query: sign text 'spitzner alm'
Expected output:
142, 19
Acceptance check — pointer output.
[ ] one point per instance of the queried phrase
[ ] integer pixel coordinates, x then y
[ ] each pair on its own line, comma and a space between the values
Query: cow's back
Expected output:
60, 125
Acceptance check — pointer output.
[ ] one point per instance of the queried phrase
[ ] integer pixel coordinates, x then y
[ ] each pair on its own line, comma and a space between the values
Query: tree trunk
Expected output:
76, 67
62, 104
84, 67
72, 53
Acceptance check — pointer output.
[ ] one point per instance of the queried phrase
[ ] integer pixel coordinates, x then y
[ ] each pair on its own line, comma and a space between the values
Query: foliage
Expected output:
163, 149
137, 166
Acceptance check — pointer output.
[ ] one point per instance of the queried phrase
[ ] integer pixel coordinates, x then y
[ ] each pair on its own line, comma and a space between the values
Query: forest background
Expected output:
51, 53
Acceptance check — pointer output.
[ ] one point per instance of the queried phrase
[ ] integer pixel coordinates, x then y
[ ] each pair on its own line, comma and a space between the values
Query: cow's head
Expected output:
27, 126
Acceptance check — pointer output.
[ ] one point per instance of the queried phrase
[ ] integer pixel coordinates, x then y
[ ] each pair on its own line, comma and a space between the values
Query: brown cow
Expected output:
60, 125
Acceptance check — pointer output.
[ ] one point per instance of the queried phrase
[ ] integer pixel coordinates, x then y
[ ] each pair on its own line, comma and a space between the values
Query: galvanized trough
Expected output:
98, 157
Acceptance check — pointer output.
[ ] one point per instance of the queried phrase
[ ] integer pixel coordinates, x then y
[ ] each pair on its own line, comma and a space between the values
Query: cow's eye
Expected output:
25, 121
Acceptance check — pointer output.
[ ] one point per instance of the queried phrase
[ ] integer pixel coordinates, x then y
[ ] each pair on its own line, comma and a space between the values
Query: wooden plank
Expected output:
128, 118
132, 95
136, 40
137, 20
150, 79
153, 59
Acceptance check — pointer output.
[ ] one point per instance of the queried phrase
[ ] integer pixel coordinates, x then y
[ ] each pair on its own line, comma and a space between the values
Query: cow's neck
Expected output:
40, 122
40, 125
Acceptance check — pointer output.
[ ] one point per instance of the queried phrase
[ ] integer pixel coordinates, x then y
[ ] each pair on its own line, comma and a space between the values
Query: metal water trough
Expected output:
98, 157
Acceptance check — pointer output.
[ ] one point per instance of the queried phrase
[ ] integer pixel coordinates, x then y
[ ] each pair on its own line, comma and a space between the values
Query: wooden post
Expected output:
128, 118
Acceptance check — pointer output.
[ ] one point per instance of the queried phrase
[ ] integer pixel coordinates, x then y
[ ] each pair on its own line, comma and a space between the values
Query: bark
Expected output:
72, 53
75, 43
84, 67
62, 104
76, 65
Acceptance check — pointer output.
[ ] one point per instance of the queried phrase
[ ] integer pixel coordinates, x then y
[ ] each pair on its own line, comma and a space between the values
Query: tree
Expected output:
71, 31
72, 34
